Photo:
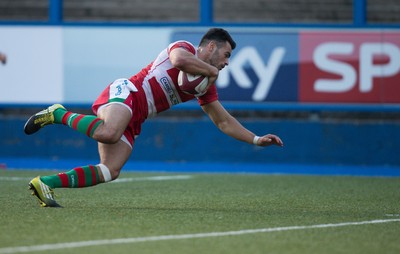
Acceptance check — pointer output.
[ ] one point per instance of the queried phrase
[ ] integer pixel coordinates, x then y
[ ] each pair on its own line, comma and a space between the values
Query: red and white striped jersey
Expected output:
159, 81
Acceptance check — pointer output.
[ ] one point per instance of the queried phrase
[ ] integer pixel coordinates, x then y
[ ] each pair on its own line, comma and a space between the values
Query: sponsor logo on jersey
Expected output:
168, 88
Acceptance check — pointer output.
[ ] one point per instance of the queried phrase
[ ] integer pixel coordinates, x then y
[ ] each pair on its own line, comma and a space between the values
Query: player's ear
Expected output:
211, 46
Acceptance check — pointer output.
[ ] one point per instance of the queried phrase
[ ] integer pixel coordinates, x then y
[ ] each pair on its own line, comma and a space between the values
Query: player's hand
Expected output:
3, 58
212, 79
269, 139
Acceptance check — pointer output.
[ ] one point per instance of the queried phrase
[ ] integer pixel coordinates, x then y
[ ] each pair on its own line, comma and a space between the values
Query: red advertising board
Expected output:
351, 67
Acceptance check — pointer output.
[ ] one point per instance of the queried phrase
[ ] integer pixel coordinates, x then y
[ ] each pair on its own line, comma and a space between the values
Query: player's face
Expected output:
220, 56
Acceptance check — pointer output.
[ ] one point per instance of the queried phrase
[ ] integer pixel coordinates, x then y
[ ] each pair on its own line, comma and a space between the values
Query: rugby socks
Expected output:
85, 124
79, 177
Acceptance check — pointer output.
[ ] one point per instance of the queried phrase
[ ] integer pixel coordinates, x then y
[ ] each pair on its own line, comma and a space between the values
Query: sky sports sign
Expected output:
311, 66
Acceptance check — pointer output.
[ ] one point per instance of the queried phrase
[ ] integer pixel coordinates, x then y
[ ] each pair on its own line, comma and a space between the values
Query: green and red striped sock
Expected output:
85, 124
76, 178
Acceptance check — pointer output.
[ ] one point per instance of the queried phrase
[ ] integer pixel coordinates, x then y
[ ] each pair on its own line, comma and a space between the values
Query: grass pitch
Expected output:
144, 208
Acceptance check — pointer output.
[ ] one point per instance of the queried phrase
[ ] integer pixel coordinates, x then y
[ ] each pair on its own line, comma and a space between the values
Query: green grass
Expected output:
207, 203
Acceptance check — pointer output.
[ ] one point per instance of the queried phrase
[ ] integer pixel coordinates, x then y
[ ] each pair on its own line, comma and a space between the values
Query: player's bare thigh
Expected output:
113, 152
116, 118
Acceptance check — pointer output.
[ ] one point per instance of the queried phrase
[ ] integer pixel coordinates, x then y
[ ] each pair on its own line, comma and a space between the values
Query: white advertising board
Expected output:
33, 72
72, 64
96, 56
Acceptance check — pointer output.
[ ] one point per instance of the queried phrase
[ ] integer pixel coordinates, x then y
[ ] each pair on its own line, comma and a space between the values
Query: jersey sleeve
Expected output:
184, 45
210, 96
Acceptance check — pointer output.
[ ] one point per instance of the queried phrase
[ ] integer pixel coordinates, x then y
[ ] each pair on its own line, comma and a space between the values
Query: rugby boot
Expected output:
43, 192
41, 119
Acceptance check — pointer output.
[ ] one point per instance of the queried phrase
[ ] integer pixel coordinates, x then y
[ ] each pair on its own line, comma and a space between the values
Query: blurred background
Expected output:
324, 75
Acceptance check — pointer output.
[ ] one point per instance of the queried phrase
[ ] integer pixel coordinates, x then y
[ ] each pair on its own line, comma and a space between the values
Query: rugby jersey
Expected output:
159, 81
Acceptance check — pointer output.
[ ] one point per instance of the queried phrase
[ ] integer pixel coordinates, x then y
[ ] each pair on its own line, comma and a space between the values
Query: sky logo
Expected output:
265, 73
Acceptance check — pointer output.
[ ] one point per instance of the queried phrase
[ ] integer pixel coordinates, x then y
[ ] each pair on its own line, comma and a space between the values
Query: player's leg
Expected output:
116, 94
57, 114
116, 119
107, 127
113, 118
112, 158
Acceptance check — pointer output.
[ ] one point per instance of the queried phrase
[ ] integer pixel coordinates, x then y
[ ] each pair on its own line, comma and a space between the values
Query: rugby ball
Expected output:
196, 85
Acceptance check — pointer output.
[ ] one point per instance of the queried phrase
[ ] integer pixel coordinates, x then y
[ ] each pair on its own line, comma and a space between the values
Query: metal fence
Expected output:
292, 13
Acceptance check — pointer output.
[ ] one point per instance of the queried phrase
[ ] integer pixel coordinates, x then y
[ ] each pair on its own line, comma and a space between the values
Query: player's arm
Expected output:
189, 63
230, 126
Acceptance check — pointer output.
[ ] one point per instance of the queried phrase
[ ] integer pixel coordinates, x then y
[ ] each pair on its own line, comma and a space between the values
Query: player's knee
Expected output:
108, 136
111, 139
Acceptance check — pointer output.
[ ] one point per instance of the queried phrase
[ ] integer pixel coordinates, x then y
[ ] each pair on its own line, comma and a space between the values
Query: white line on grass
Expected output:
392, 215
152, 178
120, 180
57, 246
14, 178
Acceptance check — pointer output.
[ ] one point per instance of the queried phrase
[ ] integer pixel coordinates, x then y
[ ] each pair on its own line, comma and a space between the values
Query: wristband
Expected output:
255, 140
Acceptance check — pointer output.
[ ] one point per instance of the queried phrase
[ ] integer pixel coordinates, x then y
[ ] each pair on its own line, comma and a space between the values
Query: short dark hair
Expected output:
218, 35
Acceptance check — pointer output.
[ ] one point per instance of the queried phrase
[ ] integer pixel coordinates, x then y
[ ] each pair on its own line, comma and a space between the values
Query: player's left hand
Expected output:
3, 58
269, 139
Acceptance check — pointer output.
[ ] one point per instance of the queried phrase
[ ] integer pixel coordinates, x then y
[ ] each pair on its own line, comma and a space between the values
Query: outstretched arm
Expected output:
230, 126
